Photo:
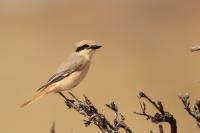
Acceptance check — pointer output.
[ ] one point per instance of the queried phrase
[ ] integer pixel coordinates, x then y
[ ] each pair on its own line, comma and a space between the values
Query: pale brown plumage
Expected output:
70, 73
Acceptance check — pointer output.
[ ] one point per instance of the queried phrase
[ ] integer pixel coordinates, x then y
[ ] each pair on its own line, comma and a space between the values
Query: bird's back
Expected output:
72, 62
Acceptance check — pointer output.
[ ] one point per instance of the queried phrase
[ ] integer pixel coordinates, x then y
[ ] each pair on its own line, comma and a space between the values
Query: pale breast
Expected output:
73, 79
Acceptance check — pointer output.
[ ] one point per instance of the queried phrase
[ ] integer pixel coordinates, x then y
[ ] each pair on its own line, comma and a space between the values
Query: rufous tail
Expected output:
37, 96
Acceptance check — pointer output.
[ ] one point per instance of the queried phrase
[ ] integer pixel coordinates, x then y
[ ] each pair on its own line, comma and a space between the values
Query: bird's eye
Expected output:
82, 47
85, 45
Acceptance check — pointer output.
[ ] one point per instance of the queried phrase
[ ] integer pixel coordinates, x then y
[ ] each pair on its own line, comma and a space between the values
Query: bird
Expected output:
70, 73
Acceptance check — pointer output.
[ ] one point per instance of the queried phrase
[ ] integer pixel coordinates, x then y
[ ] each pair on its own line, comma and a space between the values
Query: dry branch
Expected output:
195, 48
161, 130
192, 111
158, 117
88, 110
53, 128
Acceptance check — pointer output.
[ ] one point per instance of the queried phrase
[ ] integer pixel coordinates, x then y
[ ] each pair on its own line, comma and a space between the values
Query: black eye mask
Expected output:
85, 46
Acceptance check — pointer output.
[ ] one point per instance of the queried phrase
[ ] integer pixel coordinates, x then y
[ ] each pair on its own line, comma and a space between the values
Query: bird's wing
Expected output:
73, 64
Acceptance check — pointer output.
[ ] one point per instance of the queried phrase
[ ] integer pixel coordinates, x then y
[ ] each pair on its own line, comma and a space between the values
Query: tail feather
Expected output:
34, 98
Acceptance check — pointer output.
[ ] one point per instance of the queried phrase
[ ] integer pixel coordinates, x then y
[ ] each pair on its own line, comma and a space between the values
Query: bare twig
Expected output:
161, 128
160, 116
119, 121
53, 128
192, 111
151, 131
195, 48
88, 110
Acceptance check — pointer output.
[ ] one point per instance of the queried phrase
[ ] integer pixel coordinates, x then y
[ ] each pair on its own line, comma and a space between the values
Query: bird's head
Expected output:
87, 47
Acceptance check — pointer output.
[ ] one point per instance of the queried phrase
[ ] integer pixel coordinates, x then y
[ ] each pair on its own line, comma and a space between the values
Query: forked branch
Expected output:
89, 111
192, 111
158, 117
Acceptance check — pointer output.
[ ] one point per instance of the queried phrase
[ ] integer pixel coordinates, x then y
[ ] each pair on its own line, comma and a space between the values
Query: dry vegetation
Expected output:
92, 116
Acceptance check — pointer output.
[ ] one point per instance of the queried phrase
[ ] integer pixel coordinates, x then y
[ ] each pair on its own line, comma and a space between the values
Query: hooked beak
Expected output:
97, 46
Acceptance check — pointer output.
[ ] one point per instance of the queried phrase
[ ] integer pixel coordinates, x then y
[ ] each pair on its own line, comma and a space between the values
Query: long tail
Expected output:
37, 96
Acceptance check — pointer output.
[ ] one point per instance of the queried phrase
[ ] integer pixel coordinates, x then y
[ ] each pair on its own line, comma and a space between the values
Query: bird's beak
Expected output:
96, 46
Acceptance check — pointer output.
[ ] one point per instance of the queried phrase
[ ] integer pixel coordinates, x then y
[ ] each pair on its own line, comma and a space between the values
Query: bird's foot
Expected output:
69, 91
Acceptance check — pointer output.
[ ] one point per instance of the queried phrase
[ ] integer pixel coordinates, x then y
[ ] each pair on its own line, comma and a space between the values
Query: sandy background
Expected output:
146, 47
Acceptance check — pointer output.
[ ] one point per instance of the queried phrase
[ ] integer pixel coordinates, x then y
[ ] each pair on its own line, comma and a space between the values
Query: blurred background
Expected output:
146, 46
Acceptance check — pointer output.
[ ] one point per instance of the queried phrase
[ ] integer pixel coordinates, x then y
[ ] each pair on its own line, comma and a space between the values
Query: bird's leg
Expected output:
66, 99
69, 91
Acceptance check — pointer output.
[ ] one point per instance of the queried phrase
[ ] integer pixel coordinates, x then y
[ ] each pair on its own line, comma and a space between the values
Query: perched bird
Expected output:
71, 72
